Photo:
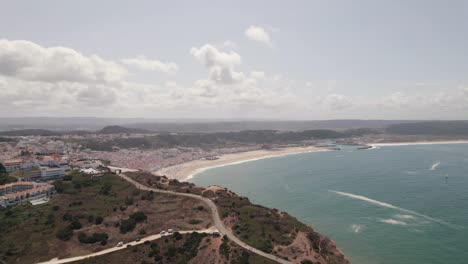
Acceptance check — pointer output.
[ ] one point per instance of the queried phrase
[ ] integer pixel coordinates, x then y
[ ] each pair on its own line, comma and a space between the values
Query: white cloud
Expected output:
258, 34
211, 56
29, 61
142, 63
220, 64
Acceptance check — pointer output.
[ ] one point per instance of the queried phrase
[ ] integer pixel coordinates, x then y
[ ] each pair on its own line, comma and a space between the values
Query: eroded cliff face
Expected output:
273, 231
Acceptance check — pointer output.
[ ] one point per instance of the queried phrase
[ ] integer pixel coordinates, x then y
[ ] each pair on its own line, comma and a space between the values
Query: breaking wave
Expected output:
356, 228
435, 165
387, 205
405, 216
393, 222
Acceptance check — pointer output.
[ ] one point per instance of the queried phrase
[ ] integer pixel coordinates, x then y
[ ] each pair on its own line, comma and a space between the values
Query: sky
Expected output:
288, 60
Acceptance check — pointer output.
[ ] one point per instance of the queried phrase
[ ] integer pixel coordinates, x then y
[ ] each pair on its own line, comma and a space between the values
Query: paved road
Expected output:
113, 249
214, 211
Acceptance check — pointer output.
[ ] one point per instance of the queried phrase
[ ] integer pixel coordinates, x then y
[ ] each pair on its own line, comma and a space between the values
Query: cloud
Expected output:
220, 64
258, 34
143, 63
211, 56
338, 102
28, 61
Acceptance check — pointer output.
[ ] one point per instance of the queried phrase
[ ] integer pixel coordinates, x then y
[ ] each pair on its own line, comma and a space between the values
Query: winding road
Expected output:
214, 212
113, 249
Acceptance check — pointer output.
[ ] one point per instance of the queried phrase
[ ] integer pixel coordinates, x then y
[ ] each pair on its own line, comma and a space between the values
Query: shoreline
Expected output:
436, 142
188, 170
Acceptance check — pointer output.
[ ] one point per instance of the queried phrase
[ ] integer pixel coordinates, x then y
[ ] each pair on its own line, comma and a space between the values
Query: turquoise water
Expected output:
387, 205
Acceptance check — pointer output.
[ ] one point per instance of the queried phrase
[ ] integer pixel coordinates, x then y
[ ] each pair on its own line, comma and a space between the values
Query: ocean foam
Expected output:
387, 205
405, 216
435, 165
356, 228
393, 222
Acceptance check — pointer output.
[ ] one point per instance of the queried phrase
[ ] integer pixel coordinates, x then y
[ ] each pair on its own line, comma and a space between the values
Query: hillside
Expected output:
122, 130
430, 128
268, 230
29, 132
91, 214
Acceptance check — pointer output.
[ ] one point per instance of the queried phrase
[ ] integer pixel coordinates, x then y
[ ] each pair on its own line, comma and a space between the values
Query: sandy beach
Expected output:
186, 170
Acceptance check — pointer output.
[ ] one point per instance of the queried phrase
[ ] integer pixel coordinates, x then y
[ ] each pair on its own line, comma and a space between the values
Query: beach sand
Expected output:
185, 171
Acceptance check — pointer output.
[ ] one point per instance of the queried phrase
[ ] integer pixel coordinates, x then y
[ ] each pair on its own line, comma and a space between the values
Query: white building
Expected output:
21, 192
52, 173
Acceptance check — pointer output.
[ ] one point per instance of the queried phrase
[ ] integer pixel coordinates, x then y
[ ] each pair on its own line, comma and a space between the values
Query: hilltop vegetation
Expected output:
190, 248
122, 130
89, 214
266, 229
273, 231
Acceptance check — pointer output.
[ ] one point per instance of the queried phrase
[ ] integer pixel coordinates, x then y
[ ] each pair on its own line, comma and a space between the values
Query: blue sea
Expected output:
389, 205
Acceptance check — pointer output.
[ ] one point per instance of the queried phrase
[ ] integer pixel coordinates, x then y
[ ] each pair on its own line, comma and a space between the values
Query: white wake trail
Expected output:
387, 205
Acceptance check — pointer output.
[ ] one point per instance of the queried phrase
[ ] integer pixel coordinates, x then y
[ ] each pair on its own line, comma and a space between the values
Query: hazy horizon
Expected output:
321, 60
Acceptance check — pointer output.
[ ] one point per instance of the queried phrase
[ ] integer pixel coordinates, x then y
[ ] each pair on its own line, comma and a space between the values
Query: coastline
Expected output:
187, 170
440, 142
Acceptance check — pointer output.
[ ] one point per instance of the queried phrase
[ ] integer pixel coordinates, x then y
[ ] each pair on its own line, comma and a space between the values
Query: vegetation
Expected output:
258, 226
4, 178
94, 238
129, 224
26, 227
189, 248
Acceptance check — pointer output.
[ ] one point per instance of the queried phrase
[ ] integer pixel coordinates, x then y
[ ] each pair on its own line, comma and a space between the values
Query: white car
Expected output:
163, 233
170, 231
120, 244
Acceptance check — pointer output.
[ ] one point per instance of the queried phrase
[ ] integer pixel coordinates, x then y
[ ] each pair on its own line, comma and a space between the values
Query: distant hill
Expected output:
429, 128
238, 126
188, 125
122, 130
30, 132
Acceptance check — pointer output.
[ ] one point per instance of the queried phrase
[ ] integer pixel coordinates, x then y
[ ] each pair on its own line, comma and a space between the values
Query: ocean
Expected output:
388, 205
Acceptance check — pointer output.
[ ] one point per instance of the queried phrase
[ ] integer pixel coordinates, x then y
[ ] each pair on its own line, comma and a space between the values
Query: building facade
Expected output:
23, 192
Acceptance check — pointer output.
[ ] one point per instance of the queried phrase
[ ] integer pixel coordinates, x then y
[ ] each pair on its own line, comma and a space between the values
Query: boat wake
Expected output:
387, 205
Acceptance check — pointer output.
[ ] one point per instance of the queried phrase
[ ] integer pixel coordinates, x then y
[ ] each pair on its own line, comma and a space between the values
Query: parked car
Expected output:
120, 244
138, 239
162, 233
170, 231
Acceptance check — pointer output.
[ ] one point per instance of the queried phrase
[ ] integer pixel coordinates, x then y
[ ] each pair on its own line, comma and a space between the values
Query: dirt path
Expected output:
113, 249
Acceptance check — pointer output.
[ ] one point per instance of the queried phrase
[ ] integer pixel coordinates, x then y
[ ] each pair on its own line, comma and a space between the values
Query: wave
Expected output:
393, 222
435, 165
387, 205
405, 216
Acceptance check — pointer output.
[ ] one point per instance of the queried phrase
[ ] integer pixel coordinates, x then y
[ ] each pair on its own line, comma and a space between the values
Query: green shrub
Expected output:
65, 233
94, 238
98, 220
